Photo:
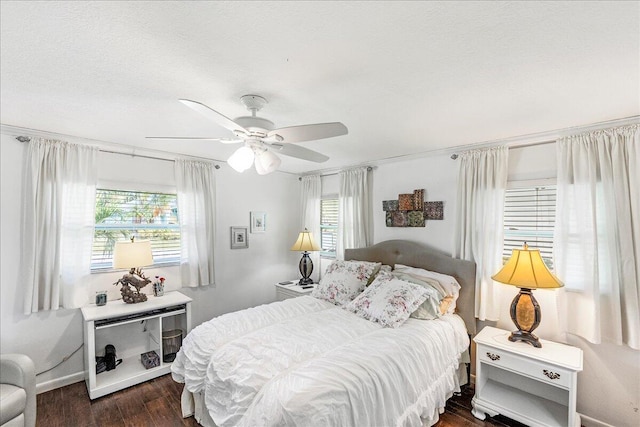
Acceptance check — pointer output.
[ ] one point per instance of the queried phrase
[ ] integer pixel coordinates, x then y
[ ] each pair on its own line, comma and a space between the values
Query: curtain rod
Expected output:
23, 138
369, 169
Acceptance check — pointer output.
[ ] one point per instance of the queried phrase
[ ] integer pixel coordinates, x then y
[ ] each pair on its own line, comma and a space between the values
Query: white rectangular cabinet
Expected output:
536, 386
133, 329
291, 289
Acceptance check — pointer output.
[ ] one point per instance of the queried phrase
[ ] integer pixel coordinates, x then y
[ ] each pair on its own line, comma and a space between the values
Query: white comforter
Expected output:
304, 361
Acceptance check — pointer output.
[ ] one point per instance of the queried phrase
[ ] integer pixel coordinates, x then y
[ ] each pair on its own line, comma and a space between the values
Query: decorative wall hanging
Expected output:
434, 210
410, 210
239, 238
258, 222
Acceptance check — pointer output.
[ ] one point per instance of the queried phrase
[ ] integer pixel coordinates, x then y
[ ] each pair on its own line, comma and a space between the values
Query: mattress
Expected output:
307, 362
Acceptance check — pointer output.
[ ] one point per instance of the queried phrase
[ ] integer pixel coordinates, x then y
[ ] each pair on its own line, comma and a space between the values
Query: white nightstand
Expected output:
536, 386
291, 290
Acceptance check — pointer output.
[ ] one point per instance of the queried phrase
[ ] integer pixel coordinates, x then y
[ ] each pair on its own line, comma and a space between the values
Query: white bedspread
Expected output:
303, 361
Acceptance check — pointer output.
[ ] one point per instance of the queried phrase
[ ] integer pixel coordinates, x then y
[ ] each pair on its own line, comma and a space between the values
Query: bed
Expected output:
305, 361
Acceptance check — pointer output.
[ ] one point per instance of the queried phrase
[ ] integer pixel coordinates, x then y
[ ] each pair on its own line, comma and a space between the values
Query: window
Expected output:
329, 226
529, 216
149, 216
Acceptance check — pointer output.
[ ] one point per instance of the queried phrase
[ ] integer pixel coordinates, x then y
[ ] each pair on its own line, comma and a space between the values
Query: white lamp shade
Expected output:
305, 242
135, 254
267, 162
242, 159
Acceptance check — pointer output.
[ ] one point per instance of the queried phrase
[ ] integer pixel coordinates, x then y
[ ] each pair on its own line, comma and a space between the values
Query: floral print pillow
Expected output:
388, 302
344, 280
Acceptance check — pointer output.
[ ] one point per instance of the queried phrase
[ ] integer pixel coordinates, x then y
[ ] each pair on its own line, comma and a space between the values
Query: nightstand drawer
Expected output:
524, 366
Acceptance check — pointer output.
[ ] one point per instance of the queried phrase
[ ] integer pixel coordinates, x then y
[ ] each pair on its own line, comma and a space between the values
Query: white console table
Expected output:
133, 329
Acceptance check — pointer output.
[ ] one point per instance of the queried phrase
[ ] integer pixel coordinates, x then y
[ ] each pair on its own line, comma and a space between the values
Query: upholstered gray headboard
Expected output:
392, 252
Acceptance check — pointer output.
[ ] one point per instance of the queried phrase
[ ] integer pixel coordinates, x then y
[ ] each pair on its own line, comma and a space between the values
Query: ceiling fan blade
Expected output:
298, 152
308, 132
198, 138
214, 116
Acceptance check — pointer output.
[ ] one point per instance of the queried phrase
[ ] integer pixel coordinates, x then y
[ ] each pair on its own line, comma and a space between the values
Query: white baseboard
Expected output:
59, 382
592, 422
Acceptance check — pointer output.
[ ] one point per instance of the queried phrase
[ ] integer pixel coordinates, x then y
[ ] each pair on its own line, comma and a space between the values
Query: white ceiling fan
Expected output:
260, 138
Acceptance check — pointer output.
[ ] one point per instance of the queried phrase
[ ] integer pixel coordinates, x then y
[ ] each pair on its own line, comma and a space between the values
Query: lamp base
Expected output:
525, 336
526, 315
306, 268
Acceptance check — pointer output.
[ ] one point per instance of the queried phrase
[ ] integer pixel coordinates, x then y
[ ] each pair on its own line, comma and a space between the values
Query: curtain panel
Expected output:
479, 231
311, 194
195, 185
597, 235
58, 218
355, 227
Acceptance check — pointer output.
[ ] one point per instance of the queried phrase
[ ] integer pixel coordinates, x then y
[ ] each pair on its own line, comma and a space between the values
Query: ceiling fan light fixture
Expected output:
241, 159
267, 162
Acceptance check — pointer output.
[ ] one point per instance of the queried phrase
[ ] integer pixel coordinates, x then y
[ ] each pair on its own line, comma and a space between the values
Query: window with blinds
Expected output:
147, 216
529, 216
328, 227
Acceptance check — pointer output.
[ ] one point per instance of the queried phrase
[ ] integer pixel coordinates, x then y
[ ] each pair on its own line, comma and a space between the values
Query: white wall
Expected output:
244, 277
437, 175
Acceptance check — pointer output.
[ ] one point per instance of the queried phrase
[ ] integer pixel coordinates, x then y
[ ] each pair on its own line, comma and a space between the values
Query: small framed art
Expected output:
258, 222
239, 238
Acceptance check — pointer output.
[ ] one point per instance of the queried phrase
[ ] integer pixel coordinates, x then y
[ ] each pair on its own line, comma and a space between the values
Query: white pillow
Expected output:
344, 280
388, 302
449, 283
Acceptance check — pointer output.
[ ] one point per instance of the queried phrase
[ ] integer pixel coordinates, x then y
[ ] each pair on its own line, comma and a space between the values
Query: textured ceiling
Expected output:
404, 77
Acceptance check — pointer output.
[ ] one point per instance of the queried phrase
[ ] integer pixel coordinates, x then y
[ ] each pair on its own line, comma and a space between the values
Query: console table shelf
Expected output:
133, 329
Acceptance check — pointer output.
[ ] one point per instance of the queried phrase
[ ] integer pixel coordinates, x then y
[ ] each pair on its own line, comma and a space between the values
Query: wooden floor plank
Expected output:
156, 403
162, 413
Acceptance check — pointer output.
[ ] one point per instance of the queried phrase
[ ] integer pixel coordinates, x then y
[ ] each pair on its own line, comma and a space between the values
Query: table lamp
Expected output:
133, 255
305, 243
526, 270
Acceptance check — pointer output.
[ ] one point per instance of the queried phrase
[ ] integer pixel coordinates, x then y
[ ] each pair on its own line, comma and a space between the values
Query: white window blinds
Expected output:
329, 226
529, 216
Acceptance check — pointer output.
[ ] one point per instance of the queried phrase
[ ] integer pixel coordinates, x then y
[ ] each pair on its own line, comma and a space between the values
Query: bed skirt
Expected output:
193, 403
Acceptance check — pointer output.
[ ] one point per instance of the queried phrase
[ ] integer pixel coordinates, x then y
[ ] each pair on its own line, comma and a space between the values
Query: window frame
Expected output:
174, 227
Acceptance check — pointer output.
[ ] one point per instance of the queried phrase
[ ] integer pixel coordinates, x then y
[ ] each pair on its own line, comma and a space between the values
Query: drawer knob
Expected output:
493, 356
551, 375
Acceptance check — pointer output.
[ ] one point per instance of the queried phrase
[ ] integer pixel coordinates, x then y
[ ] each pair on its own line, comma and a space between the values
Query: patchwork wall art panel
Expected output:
410, 210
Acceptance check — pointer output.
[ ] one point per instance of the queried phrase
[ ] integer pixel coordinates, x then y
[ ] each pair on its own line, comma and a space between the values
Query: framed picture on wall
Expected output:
239, 238
258, 222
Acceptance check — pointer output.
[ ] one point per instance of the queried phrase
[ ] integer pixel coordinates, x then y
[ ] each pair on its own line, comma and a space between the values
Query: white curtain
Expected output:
597, 235
195, 184
479, 231
311, 195
354, 221
57, 224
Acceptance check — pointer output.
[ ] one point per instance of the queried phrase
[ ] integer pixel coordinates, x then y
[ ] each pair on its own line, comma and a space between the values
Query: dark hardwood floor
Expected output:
156, 403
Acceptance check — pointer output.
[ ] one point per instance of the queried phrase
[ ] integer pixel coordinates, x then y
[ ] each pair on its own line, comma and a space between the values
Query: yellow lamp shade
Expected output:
526, 269
305, 242
129, 254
